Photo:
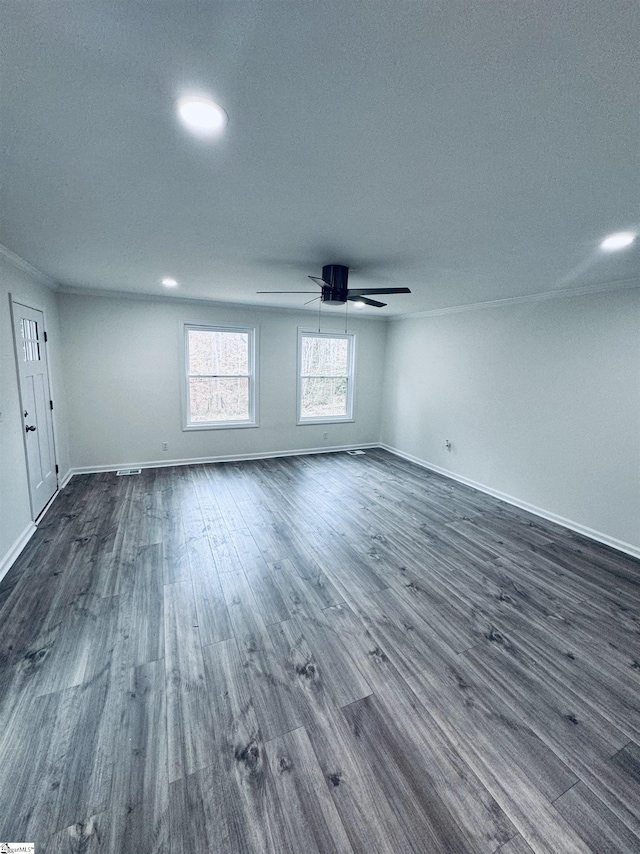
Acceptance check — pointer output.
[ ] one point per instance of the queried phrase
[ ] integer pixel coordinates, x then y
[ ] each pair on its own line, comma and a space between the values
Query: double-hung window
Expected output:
220, 377
325, 376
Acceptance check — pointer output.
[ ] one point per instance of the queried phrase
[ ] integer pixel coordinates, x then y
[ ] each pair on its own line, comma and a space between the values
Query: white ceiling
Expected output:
472, 150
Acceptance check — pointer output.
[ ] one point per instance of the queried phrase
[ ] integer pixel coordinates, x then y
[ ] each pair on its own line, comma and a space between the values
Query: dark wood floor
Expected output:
316, 654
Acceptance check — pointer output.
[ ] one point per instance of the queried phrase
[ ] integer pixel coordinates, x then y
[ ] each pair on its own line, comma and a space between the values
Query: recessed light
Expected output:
618, 240
358, 304
169, 283
202, 116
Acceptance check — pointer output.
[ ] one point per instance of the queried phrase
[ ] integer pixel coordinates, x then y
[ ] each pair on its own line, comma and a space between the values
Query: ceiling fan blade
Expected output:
364, 291
285, 292
320, 282
360, 298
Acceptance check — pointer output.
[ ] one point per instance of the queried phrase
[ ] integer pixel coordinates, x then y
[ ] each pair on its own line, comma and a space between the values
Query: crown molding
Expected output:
597, 288
332, 314
562, 293
25, 267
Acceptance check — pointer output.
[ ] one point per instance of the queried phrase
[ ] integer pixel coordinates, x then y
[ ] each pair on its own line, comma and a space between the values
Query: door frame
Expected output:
44, 343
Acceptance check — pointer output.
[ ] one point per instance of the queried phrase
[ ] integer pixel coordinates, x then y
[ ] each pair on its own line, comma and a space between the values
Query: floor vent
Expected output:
355, 453
121, 472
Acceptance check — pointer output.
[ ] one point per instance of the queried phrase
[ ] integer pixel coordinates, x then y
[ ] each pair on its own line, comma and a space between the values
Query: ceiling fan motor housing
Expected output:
335, 275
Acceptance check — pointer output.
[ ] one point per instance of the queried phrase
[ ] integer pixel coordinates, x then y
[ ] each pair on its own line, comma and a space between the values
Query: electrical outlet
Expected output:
325, 435
165, 446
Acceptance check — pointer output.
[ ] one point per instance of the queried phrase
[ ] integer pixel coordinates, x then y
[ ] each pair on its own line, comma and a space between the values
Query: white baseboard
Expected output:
620, 545
14, 552
230, 458
65, 480
598, 536
11, 556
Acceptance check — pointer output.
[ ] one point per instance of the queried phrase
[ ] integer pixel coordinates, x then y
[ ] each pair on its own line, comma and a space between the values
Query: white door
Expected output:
37, 420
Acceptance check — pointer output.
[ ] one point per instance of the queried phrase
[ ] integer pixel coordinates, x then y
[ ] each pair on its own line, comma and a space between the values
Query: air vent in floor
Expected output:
121, 472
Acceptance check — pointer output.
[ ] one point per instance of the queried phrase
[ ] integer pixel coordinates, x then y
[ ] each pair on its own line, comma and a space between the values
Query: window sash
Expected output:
218, 376
346, 377
251, 420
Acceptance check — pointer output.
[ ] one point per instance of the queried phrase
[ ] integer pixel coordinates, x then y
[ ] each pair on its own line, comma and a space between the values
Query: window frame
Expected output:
252, 420
351, 379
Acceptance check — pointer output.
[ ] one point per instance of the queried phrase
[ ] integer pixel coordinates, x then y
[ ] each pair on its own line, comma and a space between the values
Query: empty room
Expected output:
320, 427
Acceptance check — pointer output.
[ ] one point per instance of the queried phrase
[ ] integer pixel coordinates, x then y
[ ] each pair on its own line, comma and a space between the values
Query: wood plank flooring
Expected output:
316, 654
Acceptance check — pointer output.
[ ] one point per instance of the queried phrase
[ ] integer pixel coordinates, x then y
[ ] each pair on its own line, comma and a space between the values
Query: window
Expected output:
30, 344
220, 377
325, 376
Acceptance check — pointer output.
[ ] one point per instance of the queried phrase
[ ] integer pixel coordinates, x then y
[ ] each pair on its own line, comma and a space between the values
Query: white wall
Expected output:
541, 401
15, 510
124, 361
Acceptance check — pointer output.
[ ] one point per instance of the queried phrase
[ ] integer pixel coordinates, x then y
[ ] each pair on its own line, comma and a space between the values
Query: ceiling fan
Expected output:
334, 288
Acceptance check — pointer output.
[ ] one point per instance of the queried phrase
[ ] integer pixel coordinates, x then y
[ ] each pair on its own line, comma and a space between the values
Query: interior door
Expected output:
37, 419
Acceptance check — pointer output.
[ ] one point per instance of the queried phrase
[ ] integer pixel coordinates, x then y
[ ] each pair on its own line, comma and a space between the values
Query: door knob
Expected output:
30, 428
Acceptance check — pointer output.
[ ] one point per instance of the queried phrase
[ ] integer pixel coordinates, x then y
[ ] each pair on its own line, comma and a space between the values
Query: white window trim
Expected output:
252, 421
351, 381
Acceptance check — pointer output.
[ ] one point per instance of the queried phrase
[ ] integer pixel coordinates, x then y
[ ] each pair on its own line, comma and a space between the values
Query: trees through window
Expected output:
220, 376
325, 376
